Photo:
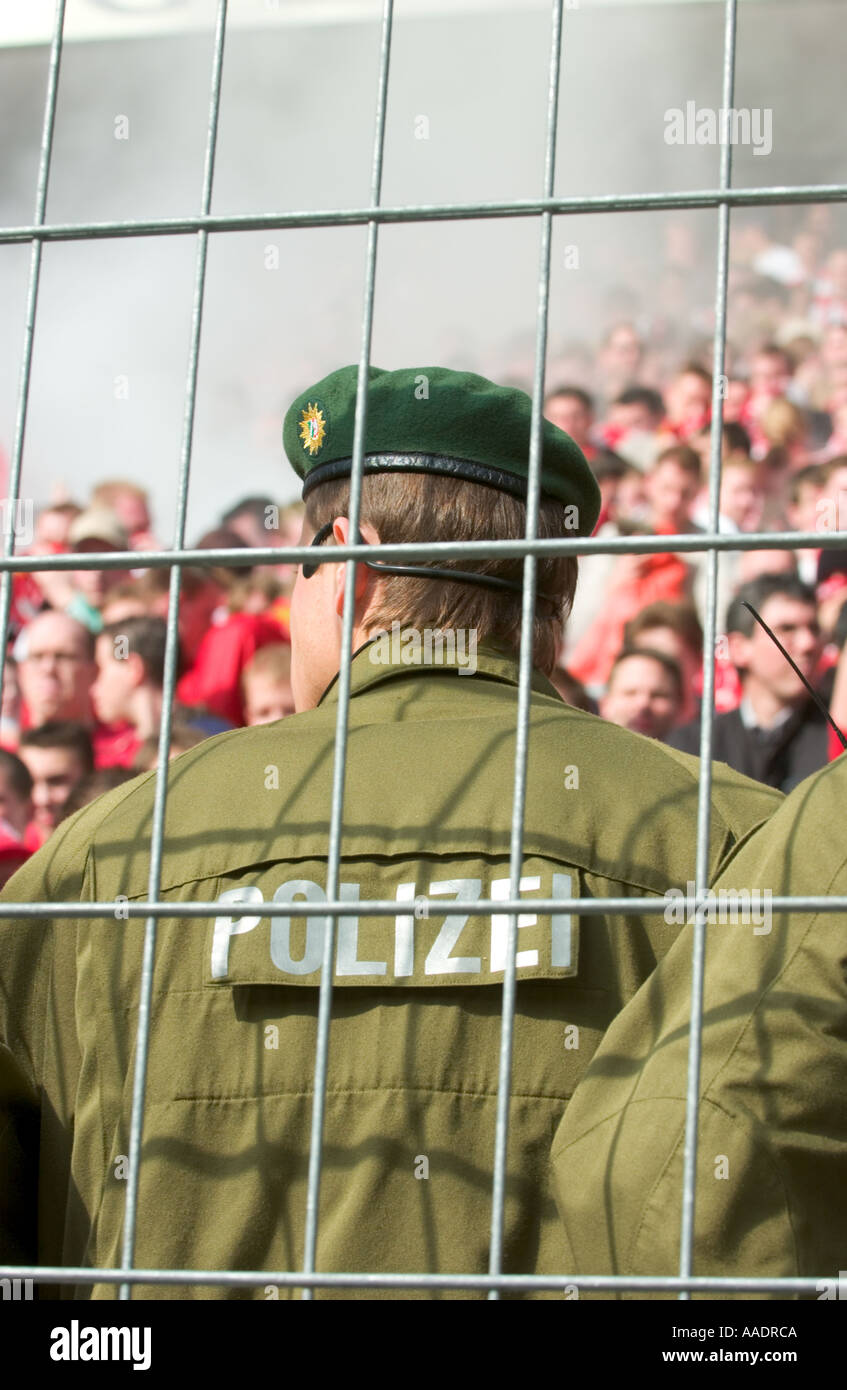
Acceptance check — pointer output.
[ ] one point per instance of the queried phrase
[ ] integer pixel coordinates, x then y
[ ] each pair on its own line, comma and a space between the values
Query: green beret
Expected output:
433, 420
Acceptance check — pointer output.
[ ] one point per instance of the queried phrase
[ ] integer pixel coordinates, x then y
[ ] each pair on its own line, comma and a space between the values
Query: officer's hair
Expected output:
145, 638
758, 591
62, 733
423, 507
17, 774
668, 664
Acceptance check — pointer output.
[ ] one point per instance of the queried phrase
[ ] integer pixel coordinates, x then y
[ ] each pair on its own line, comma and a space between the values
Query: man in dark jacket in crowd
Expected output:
777, 735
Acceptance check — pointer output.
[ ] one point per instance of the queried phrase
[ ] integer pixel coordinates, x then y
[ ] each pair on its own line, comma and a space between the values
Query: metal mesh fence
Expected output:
544, 208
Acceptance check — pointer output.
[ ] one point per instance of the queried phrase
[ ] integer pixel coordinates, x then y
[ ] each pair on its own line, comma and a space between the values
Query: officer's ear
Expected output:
364, 577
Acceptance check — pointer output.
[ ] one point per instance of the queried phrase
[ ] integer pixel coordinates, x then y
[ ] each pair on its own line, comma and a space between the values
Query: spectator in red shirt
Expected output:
58, 755
129, 600
572, 410
735, 401
56, 669
805, 491
213, 681
672, 485
200, 598
771, 370
15, 813
672, 628
636, 580
80, 593
15, 795
838, 705
130, 675
96, 532
644, 692
52, 526
255, 520
620, 359
266, 684
689, 401
638, 410
10, 711
95, 784
183, 737
130, 504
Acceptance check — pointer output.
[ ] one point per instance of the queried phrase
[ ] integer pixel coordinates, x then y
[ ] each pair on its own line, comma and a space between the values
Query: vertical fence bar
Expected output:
29, 326
501, 1133
142, 1042
692, 1101
340, 764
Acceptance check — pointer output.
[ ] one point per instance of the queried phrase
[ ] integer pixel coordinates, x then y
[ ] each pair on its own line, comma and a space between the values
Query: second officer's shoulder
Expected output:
645, 769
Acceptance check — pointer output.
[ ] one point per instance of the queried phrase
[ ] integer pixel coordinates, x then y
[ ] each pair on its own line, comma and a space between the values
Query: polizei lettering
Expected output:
416, 943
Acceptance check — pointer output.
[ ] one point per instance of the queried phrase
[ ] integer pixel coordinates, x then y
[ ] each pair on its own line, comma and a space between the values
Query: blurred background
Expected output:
466, 117
630, 350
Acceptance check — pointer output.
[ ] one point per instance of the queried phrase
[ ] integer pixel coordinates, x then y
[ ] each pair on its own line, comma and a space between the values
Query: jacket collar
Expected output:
382, 659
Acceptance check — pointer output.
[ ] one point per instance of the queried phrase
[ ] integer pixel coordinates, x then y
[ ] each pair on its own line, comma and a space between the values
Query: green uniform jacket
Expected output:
772, 1151
415, 1033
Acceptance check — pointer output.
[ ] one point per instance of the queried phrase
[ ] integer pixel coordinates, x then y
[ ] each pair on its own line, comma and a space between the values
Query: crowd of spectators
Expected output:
83, 690
85, 665
640, 407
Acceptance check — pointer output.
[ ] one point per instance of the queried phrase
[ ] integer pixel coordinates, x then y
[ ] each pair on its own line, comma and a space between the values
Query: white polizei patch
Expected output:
444, 956
439, 960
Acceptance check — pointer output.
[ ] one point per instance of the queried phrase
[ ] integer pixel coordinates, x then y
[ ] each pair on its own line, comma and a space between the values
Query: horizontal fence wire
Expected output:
424, 212
236, 1278
388, 907
697, 906
433, 550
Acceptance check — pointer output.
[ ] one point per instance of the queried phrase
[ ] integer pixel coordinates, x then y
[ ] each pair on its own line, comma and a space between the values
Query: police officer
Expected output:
772, 1137
412, 1084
